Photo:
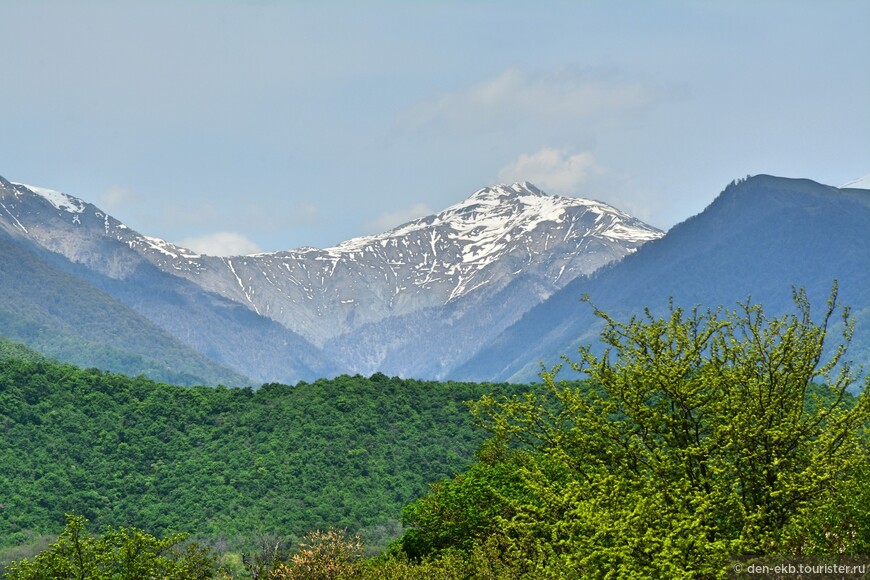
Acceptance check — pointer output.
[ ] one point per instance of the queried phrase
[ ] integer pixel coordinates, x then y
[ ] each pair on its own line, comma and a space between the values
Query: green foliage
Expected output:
225, 463
465, 510
702, 436
839, 525
127, 554
484, 561
9, 349
698, 437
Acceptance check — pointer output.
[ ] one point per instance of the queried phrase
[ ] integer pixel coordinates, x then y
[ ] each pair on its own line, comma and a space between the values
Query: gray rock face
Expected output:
477, 246
415, 300
69, 226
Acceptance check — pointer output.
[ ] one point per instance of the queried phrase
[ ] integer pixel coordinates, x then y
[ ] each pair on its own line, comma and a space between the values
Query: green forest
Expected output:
695, 440
226, 463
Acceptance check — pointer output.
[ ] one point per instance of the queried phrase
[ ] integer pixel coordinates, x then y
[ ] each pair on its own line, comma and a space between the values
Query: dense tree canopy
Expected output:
232, 463
701, 436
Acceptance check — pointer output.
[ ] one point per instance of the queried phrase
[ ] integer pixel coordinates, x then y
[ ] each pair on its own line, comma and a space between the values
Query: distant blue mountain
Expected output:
760, 238
486, 290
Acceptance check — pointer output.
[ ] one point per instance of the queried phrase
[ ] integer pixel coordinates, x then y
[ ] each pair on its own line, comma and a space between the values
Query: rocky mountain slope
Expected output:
487, 240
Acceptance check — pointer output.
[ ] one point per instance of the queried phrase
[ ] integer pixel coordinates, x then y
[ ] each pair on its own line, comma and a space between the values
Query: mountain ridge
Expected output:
446, 255
63, 316
456, 269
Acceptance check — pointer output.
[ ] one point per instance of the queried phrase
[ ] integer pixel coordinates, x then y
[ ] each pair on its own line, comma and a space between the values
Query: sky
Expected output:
236, 127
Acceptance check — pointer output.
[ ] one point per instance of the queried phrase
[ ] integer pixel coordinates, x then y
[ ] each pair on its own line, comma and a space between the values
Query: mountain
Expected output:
88, 253
758, 239
385, 302
415, 301
62, 316
486, 240
485, 290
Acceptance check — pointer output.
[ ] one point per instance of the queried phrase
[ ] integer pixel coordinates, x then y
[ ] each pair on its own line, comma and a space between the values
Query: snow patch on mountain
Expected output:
169, 249
58, 199
860, 183
492, 217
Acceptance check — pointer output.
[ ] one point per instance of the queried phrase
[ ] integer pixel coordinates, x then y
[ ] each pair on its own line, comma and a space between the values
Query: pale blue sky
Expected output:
274, 125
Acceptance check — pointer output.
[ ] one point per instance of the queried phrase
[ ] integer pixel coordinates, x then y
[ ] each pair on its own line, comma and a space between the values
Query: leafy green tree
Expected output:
461, 512
702, 436
118, 554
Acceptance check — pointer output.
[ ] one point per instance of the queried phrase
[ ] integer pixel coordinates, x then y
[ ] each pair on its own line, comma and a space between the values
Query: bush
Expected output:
126, 554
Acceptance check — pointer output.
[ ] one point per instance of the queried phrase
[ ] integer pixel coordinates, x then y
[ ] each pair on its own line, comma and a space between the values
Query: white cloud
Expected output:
515, 97
117, 197
553, 170
221, 244
159, 212
391, 219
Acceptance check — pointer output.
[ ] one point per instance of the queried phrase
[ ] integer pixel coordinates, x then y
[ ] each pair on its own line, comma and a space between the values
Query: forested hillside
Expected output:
231, 463
65, 317
9, 349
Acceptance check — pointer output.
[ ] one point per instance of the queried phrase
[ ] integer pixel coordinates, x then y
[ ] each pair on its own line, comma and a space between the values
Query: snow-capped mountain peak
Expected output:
493, 213
507, 190
478, 245
80, 230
